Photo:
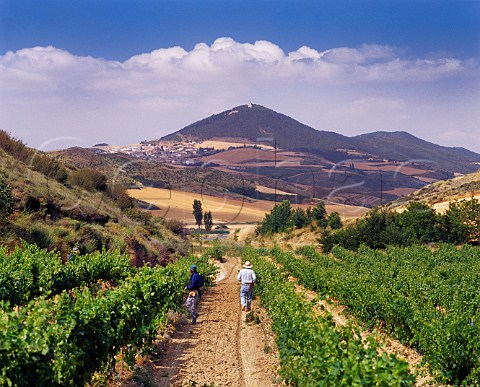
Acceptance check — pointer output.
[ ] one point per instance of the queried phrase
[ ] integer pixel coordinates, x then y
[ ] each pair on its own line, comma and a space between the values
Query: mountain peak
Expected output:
258, 124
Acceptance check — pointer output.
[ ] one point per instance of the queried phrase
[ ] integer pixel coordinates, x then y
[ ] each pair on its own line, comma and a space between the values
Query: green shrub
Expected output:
40, 235
334, 220
89, 179
216, 251
174, 225
120, 196
6, 199
91, 239
138, 215
278, 220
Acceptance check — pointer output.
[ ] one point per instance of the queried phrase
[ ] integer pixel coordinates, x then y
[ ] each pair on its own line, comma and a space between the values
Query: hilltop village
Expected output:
170, 152
187, 153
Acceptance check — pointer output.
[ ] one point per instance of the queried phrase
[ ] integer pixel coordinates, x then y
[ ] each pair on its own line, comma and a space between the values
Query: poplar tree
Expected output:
208, 220
197, 212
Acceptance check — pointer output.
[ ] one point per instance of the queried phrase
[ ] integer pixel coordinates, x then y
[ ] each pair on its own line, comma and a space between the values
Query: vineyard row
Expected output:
427, 299
313, 351
65, 339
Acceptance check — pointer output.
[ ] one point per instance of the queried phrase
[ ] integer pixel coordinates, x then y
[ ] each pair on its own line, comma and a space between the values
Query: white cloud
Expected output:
158, 59
362, 55
347, 89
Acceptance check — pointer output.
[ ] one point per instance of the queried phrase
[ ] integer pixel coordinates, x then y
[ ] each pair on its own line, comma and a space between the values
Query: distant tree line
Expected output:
283, 218
418, 224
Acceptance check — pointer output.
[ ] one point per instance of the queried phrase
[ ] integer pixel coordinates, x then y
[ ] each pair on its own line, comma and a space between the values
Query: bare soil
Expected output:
222, 349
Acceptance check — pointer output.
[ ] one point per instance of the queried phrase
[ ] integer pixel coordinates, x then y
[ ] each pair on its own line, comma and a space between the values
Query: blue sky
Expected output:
119, 29
86, 71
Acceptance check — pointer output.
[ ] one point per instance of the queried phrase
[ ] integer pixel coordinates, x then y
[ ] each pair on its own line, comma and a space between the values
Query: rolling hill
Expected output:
53, 209
262, 125
440, 193
259, 124
134, 172
252, 151
408, 147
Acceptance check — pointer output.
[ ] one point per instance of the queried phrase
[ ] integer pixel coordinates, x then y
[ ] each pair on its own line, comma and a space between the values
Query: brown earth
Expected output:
251, 156
222, 349
405, 168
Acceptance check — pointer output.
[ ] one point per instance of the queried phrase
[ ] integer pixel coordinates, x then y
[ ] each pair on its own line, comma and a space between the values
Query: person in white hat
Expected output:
247, 278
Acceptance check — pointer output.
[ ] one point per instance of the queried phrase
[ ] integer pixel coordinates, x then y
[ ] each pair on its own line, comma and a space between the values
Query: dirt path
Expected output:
221, 349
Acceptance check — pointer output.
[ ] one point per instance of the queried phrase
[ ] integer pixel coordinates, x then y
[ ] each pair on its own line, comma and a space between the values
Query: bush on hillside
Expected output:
282, 218
139, 215
462, 221
334, 221
300, 218
6, 199
91, 239
40, 235
174, 225
50, 167
89, 179
38, 161
319, 214
14, 147
119, 195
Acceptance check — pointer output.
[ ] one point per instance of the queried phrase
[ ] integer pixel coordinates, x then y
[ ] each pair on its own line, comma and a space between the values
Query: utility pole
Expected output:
381, 188
275, 164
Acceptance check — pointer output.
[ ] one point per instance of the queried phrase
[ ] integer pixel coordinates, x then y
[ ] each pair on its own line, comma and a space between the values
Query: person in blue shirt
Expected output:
196, 282
73, 254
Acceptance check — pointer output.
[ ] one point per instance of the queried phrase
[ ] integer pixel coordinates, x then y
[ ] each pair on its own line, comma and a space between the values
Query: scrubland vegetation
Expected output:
79, 207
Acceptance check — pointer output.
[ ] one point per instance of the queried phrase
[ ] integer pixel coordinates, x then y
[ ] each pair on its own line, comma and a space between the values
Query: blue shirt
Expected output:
195, 281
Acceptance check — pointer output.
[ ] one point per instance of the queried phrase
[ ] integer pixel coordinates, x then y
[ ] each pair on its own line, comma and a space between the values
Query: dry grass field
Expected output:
178, 205
261, 188
400, 191
404, 168
439, 194
441, 207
